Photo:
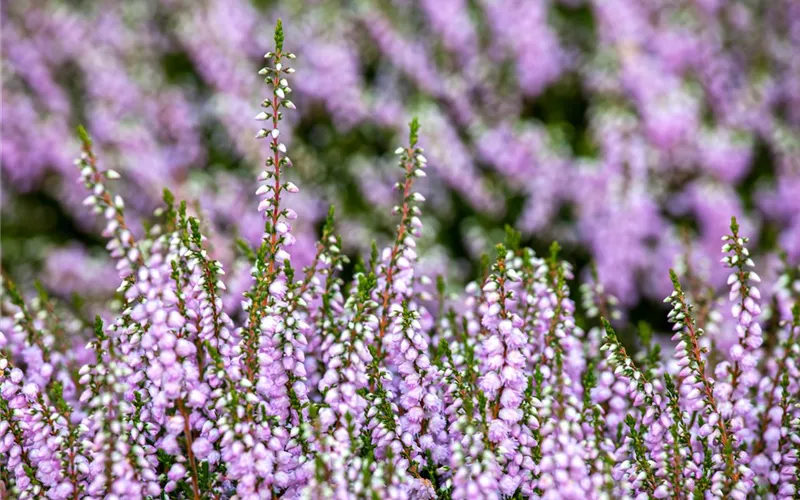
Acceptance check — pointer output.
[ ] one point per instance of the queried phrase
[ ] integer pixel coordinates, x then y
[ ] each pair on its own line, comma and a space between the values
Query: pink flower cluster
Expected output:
637, 121
376, 384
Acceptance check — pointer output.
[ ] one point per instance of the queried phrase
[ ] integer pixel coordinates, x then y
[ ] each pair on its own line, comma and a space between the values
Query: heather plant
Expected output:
578, 120
374, 383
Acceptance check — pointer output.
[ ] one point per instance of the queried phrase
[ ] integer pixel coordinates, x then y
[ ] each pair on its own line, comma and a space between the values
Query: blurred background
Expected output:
629, 130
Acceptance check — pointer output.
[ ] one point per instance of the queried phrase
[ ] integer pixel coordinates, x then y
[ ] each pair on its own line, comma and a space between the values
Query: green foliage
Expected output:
99, 331
279, 35
84, 137
413, 134
513, 238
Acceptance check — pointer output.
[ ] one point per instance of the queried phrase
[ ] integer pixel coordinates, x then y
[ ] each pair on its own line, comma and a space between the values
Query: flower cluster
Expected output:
585, 121
340, 381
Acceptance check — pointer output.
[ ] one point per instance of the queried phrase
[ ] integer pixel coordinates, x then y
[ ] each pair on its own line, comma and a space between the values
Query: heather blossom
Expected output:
608, 120
340, 381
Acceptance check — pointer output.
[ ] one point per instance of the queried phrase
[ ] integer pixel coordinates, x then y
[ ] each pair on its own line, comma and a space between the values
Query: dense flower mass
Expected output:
644, 122
369, 381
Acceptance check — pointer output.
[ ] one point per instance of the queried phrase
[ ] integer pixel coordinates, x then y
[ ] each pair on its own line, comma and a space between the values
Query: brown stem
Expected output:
188, 432
387, 294
725, 438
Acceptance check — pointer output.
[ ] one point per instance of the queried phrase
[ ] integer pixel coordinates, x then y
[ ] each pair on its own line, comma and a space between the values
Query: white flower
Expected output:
277, 288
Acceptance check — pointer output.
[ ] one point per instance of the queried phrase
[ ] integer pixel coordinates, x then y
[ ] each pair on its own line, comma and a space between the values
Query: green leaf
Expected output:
413, 135
279, 35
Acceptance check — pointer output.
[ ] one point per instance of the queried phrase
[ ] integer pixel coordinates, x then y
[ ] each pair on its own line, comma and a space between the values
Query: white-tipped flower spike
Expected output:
275, 294
111, 206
